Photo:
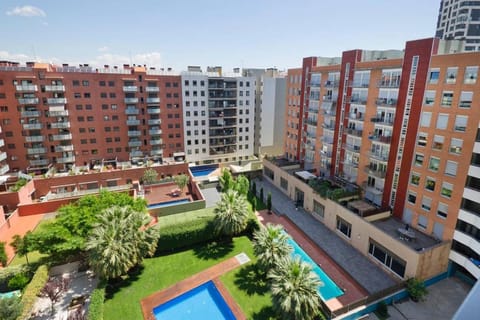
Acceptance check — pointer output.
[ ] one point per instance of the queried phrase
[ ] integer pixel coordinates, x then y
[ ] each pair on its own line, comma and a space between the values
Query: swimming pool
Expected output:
202, 302
167, 203
329, 289
200, 171
10, 294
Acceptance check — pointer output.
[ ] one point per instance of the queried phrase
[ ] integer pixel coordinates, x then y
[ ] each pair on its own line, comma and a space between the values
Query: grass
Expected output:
123, 300
179, 218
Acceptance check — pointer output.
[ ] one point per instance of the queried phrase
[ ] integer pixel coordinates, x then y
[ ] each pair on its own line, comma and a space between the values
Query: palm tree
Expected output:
120, 240
270, 245
226, 180
231, 213
295, 289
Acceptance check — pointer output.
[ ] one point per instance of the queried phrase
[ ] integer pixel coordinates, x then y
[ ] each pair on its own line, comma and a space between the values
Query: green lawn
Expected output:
161, 272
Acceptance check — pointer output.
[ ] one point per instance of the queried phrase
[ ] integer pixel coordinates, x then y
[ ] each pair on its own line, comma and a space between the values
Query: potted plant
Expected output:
416, 289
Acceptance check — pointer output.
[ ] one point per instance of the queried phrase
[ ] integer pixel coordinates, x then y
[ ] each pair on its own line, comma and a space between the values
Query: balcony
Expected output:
327, 139
152, 89
388, 84
131, 100
55, 88
358, 84
156, 152
130, 89
154, 121
312, 122
382, 139
374, 190
40, 162
34, 138
4, 169
66, 159
332, 83
134, 133
374, 172
385, 102
32, 126
132, 111
156, 142
133, 122
65, 148
350, 163
3, 156
61, 125
153, 100
136, 143
357, 100
153, 110
328, 126
61, 137
52, 101
352, 148
30, 114
2, 143
327, 154
26, 88
36, 150
356, 116
154, 132
378, 156
58, 113
28, 100
136, 153
382, 121
354, 132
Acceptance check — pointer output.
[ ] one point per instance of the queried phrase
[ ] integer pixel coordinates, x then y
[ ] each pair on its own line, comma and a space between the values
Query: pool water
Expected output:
200, 171
329, 289
202, 302
167, 203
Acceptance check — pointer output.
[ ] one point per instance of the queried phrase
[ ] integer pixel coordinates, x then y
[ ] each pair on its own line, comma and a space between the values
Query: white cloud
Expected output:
22, 58
103, 49
27, 11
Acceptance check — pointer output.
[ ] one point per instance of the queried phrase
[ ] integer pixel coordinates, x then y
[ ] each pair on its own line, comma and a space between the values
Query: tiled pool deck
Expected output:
212, 273
352, 290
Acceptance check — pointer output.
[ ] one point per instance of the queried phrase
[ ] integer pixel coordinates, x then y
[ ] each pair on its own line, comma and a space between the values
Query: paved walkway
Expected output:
371, 277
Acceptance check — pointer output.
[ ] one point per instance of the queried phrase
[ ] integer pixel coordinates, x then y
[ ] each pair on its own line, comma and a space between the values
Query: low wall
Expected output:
182, 207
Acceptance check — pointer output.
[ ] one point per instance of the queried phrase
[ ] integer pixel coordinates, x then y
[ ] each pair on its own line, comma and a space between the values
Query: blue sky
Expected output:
242, 33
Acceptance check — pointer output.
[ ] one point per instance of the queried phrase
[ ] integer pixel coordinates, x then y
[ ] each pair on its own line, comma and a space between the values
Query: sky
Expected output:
228, 33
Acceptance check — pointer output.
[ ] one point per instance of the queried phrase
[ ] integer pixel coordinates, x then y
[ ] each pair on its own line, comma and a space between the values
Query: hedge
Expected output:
97, 299
9, 272
33, 289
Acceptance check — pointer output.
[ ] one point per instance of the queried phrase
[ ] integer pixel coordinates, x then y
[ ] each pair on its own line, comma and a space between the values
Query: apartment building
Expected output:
4, 168
400, 127
460, 20
218, 115
61, 116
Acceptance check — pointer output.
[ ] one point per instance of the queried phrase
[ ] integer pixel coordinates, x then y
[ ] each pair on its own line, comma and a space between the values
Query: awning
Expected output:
305, 175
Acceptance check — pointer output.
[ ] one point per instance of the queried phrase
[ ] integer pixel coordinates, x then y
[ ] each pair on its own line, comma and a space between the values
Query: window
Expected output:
102, 83
442, 121
412, 197
447, 98
419, 159
344, 227
85, 83
284, 184
387, 258
461, 123
429, 97
76, 83
465, 99
422, 139
422, 221
451, 168
111, 83
430, 184
451, 76
456, 146
438, 142
426, 203
425, 119
442, 210
434, 76
434, 164
415, 178
447, 189
470, 75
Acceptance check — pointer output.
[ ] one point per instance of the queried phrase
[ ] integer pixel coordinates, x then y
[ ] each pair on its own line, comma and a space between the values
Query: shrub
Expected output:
18, 185
9, 272
33, 290
97, 298
3, 255
10, 308
416, 289
382, 310
18, 282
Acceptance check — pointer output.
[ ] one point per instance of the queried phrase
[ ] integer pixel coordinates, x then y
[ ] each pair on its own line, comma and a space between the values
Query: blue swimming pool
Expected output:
200, 171
202, 302
10, 294
167, 203
329, 289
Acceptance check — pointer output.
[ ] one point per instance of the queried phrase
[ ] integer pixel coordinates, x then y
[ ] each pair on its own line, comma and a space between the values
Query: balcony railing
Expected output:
350, 163
383, 139
57, 113
134, 133
134, 143
134, 122
153, 110
32, 126
30, 114
34, 138
156, 142
382, 121
61, 125
153, 100
329, 126
312, 122
356, 116
357, 100
152, 89
136, 153
313, 110
386, 102
132, 111
332, 83
154, 121
155, 131
156, 152
66, 159
388, 84
358, 84
60, 137
65, 148
353, 148
55, 88
379, 156
131, 100
130, 89
3, 156
40, 162
36, 150
374, 172
28, 100
56, 101
26, 88
327, 139
4, 169
354, 132
2, 143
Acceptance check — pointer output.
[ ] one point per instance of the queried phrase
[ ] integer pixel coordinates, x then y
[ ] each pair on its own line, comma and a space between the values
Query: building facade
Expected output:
61, 116
460, 20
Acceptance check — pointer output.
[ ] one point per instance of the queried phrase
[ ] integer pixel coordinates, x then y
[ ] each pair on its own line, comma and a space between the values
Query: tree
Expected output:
269, 202
254, 204
149, 176
120, 240
416, 289
295, 289
270, 246
181, 180
10, 308
231, 213
254, 188
69, 231
21, 245
242, 185
3, 255
261, 195
226, 180
54, 289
